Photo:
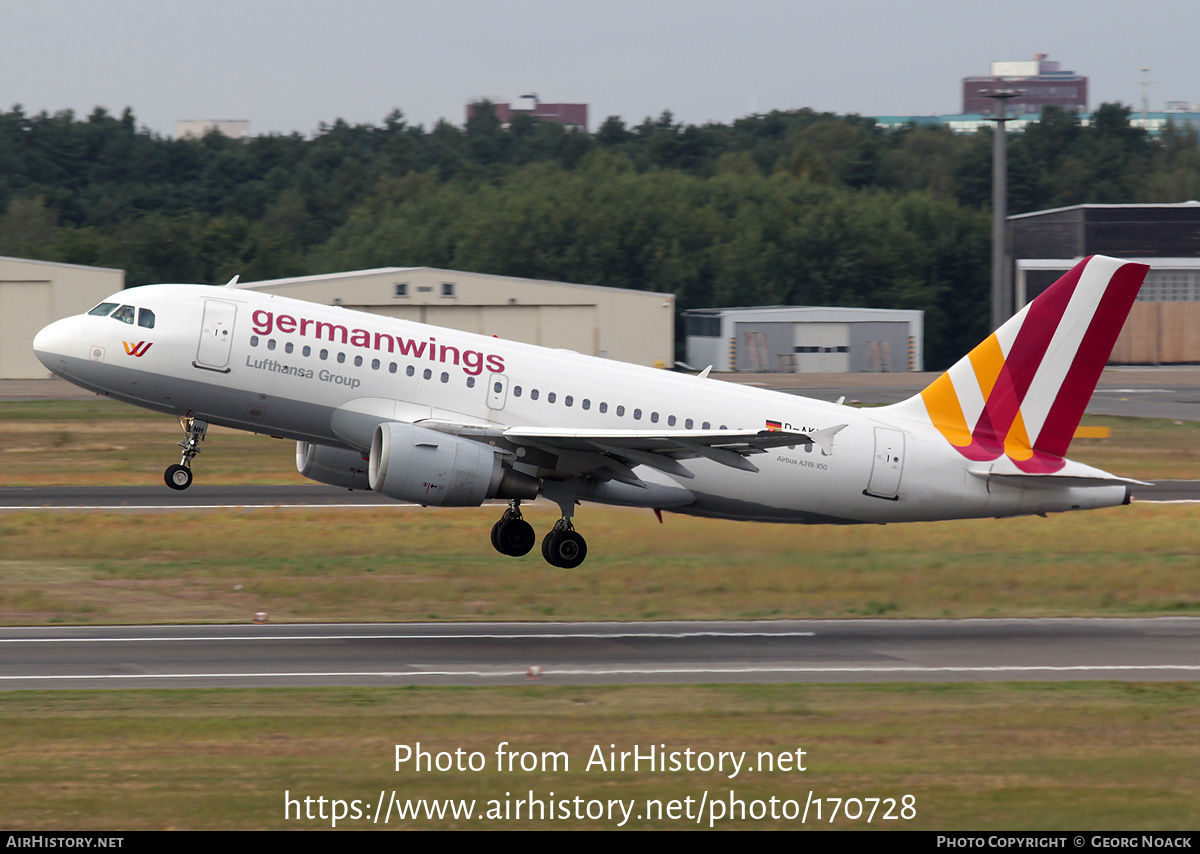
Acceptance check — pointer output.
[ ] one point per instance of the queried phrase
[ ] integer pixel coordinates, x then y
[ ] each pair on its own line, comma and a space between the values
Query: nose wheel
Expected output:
180, 476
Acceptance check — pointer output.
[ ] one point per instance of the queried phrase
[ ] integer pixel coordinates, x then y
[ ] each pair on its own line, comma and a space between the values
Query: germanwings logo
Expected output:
139, 349
1022, 392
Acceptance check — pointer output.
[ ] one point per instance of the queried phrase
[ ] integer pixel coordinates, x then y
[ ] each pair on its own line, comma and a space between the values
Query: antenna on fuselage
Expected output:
233, 282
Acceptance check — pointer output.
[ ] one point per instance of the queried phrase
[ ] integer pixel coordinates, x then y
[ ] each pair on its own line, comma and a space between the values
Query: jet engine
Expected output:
412, 463
335, 466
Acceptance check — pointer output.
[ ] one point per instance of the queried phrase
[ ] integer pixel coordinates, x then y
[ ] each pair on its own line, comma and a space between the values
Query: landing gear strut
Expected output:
180, 476
512, 535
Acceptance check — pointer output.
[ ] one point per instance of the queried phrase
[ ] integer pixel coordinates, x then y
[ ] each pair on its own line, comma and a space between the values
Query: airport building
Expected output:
1164, 325
805, 339
573, 116
1038, 83
35, 293
615, 323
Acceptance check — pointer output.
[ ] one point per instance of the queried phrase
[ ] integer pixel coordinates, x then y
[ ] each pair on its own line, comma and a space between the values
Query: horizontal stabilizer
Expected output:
1071, 474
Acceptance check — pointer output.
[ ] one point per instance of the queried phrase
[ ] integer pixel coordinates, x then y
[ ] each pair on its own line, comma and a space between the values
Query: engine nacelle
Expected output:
335, 466
424, 466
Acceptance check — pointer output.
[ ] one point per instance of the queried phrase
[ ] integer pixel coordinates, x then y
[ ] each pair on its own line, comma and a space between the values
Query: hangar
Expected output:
1163, 326
615, 323
34, 293
805, 339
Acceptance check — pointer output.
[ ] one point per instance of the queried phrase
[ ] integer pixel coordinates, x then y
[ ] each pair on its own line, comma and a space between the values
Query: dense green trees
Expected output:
800, 207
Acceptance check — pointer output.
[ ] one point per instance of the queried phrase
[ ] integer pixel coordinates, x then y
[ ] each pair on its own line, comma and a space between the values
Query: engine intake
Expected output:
412, 463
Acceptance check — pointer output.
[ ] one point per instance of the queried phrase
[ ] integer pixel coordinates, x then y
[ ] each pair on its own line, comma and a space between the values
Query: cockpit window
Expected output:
124, 314
104, 309
146, 318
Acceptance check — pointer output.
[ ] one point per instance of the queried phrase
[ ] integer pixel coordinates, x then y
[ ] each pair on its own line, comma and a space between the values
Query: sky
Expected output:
290, 66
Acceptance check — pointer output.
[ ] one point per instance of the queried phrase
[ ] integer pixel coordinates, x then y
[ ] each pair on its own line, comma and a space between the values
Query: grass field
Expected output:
1071, 756
973, 756
426, 564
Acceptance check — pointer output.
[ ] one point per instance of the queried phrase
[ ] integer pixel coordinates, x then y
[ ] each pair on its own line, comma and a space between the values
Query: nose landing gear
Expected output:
180, 476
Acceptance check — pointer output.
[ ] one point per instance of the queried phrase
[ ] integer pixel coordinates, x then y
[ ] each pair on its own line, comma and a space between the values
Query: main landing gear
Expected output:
563, 547
180, 476
512, 535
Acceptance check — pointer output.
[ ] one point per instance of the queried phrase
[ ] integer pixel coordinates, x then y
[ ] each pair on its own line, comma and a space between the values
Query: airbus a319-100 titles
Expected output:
440, 417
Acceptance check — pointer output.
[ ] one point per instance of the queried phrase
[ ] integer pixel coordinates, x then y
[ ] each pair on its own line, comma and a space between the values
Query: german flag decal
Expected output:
774, 425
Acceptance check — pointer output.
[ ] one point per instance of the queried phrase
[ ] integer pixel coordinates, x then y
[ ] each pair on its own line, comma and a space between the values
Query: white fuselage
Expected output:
327, 375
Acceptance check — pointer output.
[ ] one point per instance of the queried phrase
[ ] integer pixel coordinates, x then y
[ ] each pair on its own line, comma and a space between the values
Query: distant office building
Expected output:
574, 116
196, 128
1039, 82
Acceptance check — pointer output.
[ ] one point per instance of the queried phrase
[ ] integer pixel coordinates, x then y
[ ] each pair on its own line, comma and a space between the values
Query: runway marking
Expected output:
497, 636
646, 671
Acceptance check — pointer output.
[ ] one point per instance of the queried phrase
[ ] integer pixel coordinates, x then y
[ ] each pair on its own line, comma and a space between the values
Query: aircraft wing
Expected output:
613, 453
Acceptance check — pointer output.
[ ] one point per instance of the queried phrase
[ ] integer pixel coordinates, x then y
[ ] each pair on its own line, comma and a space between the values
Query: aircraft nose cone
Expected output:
52, 343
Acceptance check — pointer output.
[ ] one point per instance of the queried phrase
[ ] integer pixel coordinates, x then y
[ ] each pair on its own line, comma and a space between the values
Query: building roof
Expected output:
395, 271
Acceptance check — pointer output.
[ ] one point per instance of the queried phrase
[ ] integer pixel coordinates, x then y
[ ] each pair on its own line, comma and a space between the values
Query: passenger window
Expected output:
307, 351
324, 355
253, 340
124, 314
410, 370
288, 347
358, 361
445, 377
670, 420
688, 424
533, 395
516, 390
341, 358
270, 343
550, 397
427, 373
568, 400
587, 404
620, 411
375, 364
104, 309
392, 368
603, 407
470, 382
705, 426
146, 318
637, 415
654, 417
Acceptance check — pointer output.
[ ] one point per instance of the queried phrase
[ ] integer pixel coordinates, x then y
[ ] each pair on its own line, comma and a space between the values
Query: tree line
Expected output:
783, 208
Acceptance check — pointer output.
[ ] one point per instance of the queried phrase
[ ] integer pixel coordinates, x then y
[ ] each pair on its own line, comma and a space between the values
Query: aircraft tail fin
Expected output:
1022, 392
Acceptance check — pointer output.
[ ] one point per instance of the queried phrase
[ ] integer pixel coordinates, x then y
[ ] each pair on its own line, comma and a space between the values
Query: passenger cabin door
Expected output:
216, 335
888, 464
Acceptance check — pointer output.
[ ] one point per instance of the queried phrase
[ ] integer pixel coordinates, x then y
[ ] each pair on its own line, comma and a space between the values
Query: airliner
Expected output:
439, 417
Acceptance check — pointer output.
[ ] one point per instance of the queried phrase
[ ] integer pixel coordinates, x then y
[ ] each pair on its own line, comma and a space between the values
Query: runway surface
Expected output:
1165, 648
199, 496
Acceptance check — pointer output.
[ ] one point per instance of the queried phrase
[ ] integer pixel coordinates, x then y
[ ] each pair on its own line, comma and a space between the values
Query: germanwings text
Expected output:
472, 362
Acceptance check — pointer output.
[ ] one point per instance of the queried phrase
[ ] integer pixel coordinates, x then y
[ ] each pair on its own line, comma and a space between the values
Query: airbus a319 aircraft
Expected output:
440, 417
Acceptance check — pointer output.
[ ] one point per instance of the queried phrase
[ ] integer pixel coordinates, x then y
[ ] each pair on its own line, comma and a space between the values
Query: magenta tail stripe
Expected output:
1094, 350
